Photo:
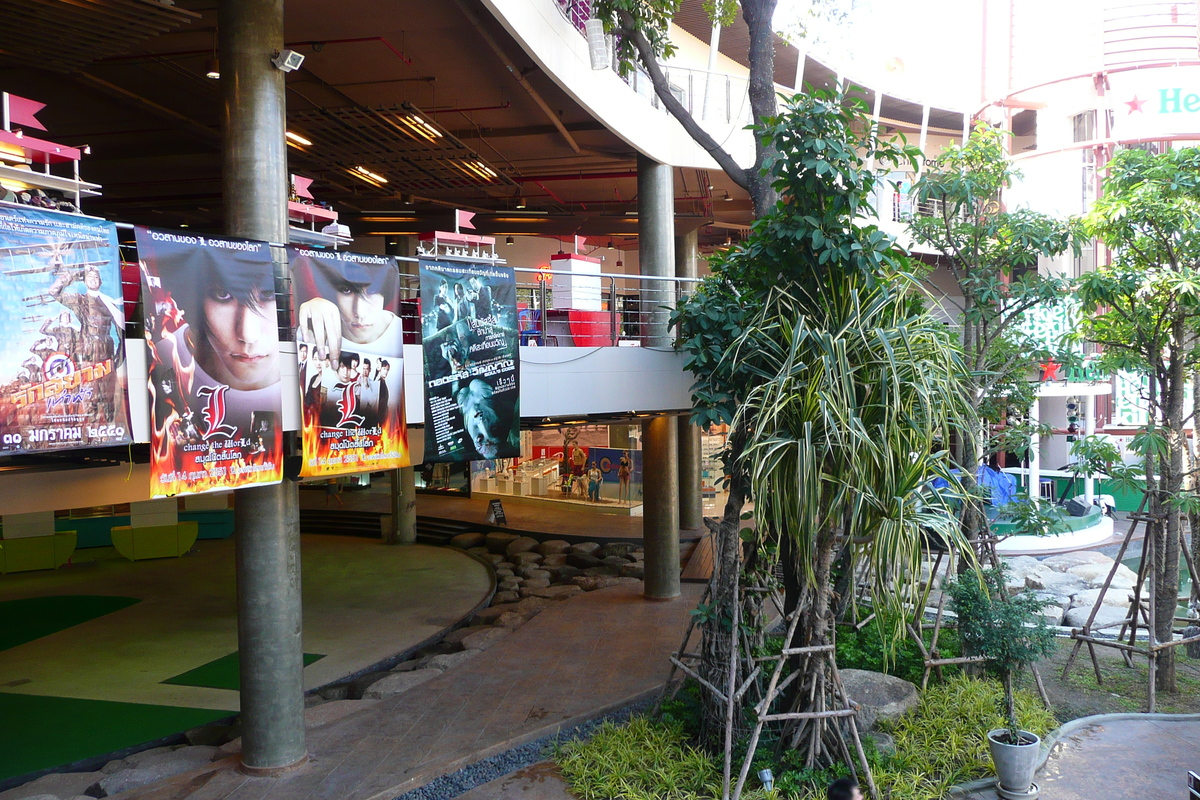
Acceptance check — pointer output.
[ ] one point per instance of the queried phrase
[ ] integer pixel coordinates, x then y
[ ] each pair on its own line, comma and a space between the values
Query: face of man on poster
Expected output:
358, 314
239, 345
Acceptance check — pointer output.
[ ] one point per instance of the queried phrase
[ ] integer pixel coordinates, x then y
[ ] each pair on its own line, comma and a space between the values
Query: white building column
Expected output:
1035, 450
1089, 429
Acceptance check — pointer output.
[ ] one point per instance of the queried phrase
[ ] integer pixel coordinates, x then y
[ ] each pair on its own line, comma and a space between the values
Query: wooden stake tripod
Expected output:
1137, 614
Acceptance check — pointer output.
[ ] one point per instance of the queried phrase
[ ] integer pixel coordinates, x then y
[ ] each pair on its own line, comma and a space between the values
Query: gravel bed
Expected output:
501, 764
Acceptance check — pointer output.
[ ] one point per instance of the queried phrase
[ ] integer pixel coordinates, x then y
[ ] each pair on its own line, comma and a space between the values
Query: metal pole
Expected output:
613, 329
266, 519
542, 294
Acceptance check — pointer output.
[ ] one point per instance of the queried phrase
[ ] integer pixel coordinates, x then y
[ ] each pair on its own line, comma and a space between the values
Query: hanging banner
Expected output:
350, 343
469, 336
63, 383
213, 335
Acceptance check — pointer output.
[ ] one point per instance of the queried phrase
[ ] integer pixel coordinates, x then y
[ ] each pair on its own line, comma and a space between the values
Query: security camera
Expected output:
288, 60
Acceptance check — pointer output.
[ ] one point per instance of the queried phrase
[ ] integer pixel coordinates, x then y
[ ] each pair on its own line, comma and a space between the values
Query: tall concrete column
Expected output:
403, 528
691, 498
656, 249
266, 519
660, 507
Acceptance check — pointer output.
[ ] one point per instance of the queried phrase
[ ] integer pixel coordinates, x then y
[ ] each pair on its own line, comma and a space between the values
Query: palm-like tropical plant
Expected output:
846, 439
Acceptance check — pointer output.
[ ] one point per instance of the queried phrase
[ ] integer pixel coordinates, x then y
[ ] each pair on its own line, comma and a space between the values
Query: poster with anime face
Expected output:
350, 344
213, 337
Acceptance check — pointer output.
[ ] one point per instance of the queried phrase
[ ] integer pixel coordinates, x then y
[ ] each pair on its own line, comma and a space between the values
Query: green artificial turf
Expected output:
32, 618
223, 673
46, 732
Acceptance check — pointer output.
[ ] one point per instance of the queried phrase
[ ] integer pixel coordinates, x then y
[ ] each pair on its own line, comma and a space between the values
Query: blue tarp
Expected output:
1002, 485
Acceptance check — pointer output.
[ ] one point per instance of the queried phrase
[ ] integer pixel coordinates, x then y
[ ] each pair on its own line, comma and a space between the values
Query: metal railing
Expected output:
894, 201
591, 310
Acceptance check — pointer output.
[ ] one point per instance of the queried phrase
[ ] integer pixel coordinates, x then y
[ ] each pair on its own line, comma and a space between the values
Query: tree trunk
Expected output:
758, 15
1166, 548
717, 634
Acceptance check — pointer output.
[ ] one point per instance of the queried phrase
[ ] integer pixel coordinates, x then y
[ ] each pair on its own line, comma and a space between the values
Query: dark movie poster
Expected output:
213, 335
350, 344
469, 334
63, 384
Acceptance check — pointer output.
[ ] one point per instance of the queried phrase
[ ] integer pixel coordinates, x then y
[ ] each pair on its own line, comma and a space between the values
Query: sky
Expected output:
918, 49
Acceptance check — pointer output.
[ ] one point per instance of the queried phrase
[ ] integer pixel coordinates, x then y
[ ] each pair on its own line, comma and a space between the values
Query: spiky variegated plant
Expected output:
847, 438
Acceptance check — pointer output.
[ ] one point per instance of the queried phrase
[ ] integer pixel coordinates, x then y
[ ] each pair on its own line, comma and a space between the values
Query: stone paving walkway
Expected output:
1119, 760
577, 660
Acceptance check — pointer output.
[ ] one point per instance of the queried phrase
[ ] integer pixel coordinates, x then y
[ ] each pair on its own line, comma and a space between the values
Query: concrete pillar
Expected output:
267, 518
403, 528
660, 507
656, 249
691, 499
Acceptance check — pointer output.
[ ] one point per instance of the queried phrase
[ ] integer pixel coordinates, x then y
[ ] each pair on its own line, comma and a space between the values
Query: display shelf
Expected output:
303, 212
43, 180
298, 235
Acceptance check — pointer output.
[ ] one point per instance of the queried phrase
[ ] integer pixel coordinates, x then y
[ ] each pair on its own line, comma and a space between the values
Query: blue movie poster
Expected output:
469, 336
62, 365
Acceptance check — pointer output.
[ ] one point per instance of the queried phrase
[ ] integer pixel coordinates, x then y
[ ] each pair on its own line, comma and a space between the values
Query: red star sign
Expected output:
1050, 370
1135, 104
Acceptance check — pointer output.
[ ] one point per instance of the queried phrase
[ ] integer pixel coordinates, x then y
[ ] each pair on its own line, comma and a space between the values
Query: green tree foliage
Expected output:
1144, 308
1007, 631
992, 254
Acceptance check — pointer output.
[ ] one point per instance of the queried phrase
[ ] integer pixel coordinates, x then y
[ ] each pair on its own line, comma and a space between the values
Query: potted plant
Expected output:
1009, 634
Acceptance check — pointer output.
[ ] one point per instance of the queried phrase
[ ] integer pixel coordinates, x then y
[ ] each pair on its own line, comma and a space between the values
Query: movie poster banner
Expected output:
469, 336
63, 384
350, 344
213, 335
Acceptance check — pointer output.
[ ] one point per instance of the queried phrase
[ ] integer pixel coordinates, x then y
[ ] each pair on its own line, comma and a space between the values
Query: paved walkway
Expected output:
1118, 760
574, 661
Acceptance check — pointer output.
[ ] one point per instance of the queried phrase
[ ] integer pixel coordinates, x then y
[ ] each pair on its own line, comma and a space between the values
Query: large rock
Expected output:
590, 583
1020, 570
508, 585
536, 575
486, 616
456, 636
556, 592
1114, 598
1055, 607
1064, 561
553, 547
498, 541
1094, 575
446, 661
603, 572
148, 769
1062, 584
532, 571
58, 784
621, 549
583, 560
563, 573
1108, 615
495, 560
615, 561
633, 571
521, 559
482, 640
398, 682
522, 544
554, 560
532, 586
506, 596
584, 548
532, 606
466, 541
510, 620
482, 552
878, 696
501, 574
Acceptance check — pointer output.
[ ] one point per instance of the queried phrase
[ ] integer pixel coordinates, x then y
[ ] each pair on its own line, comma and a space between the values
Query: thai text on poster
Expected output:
213, 337
469, 337
350, 345
63, 381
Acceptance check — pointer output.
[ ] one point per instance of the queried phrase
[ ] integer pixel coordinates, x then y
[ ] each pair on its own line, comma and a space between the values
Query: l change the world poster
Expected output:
469, 336
62, 364
213, 335
350, 343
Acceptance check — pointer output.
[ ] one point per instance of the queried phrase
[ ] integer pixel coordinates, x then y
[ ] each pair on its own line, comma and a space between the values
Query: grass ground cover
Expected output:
54, 731
30, 618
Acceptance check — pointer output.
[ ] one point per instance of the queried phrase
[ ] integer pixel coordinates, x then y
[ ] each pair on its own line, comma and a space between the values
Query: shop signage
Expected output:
350, 348
469, 337
216, 408
1155, 102
63, 383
